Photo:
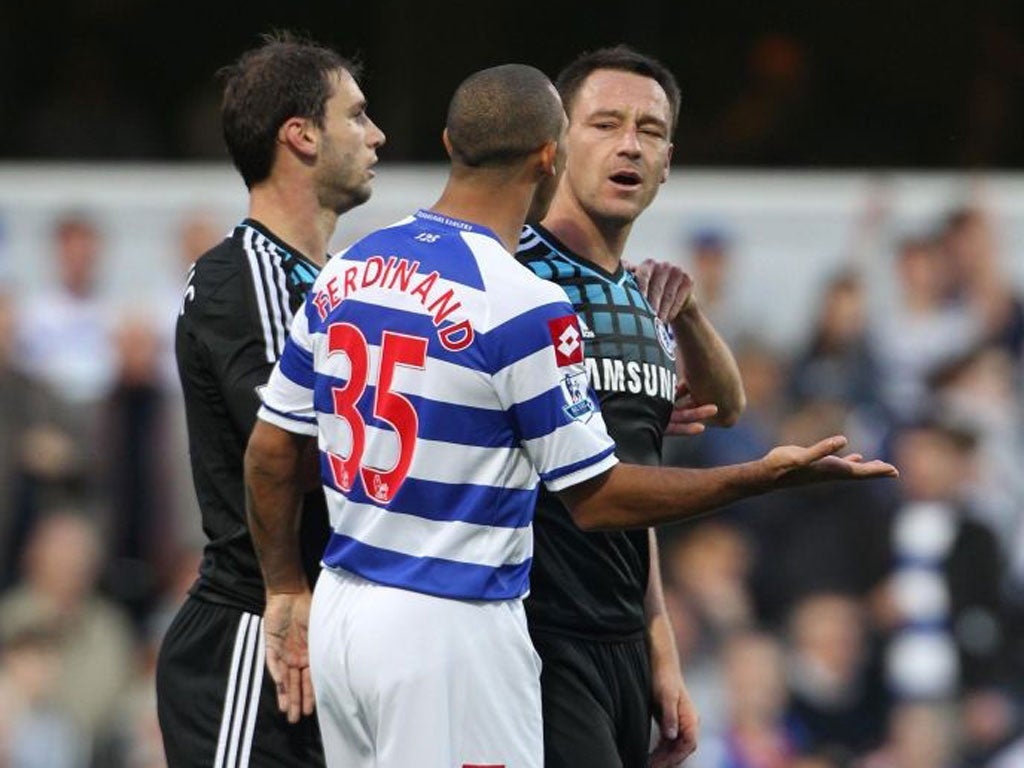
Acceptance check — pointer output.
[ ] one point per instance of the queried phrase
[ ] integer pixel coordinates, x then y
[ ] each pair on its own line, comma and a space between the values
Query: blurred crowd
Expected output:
876, 626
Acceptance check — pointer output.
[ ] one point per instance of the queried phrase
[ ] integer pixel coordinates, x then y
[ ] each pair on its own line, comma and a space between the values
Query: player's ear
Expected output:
547, 159
446, 140
299, 134
668, 163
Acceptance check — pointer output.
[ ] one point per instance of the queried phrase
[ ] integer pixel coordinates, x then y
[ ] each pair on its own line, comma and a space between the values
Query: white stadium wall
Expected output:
790, 231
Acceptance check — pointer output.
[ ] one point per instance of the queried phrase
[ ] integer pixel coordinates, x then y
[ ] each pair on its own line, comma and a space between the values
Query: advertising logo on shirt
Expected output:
579, 406
567, 340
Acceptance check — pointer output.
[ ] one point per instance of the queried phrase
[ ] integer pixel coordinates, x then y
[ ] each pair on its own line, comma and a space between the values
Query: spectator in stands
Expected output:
138, 466
979, 390
710, 262
838, 364
65, 334
35, 732
836, 694
923, 332
34, 451
95, 643
978, 281
920, 735
757, 734
940, 599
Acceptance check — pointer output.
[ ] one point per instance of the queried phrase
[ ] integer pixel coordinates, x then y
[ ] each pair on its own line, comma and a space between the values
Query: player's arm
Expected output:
675, 713
273, 468
710, 371
276, 462
630, 496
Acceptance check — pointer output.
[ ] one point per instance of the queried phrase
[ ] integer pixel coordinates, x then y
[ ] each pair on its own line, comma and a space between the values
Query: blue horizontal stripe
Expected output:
450, 256
451, 502
433, 576
373, 319
444, 422
297, 365
543, 414
524, 334
291, 416
568, 469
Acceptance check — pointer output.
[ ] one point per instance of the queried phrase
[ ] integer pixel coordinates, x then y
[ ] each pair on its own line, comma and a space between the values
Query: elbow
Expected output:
586, 520
729, 413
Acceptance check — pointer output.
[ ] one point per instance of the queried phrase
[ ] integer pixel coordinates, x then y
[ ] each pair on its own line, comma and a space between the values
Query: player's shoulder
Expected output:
533, 246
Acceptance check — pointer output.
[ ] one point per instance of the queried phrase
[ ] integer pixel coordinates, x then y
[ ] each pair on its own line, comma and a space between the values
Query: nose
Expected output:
377, 137
629, 142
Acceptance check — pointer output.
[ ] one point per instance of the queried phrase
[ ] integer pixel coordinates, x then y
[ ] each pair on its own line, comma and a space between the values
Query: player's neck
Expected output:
500, 208
293, 214
601, 242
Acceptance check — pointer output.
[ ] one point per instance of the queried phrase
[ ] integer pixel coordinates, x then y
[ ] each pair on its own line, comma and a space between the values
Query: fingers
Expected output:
656, 291
677, 292
685, 430
294, 694
308, 700
669, 719
689, 415
642, 274
688, 420
823, 448
874, 468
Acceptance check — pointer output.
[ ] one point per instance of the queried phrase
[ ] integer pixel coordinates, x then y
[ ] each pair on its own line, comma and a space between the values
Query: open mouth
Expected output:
626, 178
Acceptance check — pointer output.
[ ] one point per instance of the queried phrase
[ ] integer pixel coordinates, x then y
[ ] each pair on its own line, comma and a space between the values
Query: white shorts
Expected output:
407, 680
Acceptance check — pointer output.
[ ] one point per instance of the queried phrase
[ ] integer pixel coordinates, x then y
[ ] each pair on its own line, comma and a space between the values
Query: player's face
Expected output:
348, 150
618, 144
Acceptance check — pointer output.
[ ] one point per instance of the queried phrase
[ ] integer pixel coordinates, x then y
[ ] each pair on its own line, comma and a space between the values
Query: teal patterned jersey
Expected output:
593, 584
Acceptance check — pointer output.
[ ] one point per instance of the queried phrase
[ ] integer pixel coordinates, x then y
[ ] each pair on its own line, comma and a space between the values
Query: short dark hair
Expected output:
621, 58
287, 76
499, 115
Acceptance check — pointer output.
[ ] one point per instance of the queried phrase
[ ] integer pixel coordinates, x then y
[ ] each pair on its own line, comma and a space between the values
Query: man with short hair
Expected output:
596, 609
296, 127
440, 382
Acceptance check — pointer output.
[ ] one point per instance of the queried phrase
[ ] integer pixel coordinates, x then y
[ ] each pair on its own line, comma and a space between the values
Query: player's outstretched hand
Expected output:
688, 417
286, 626
793, 465
668, 288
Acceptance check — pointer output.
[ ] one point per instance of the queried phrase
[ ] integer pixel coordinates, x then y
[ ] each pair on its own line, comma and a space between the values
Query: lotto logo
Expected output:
567, 340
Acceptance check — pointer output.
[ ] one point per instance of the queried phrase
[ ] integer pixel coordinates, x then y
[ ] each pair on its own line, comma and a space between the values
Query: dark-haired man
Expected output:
295, 124
596, 609
442, 382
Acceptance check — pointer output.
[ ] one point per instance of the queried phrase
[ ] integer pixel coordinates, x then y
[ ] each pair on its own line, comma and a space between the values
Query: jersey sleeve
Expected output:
288, 396
541, 381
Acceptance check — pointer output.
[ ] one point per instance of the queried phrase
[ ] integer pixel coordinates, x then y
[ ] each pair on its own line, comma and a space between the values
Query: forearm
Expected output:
273, 496
661, 641
710, 368
631, 496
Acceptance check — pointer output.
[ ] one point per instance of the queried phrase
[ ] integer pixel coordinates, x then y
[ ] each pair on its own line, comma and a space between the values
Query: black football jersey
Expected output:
593, 584
238, 304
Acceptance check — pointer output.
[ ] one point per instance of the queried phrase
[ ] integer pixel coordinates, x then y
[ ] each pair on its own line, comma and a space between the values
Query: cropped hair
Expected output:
285, 77
499, 115
620, 58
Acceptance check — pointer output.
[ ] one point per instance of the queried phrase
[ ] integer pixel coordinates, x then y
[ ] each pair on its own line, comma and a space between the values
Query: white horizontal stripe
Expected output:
288, 425
568, 444
530, 376
438, 379
580, 475
283, 394
419, 537
435, 460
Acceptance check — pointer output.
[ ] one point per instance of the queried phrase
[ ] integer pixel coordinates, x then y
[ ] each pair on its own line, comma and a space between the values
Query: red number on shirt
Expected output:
390, 407
348, 340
